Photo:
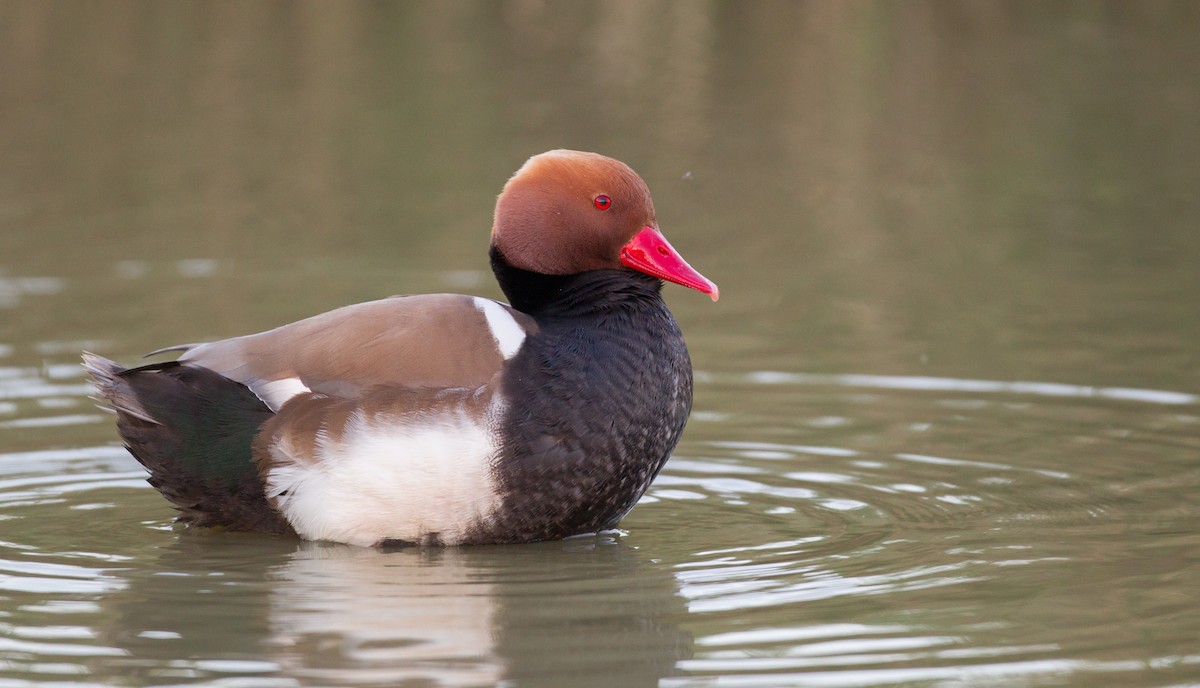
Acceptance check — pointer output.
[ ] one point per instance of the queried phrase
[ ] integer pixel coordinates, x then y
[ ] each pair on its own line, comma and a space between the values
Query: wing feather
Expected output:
427, 341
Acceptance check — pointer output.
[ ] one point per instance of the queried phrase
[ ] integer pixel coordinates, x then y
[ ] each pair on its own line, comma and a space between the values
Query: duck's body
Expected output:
438, 418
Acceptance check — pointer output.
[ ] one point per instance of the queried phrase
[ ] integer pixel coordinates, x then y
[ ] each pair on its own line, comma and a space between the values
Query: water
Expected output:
947, 423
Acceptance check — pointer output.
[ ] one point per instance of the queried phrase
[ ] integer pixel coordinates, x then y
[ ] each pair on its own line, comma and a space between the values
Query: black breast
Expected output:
597, 401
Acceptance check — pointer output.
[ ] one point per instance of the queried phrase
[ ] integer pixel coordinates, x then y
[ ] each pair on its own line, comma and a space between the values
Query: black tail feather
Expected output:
193, 430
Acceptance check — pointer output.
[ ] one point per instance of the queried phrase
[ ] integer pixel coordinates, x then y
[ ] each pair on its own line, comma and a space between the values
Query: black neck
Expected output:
539, 294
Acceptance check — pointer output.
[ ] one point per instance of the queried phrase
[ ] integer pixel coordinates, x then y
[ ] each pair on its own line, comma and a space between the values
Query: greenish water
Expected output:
947, 417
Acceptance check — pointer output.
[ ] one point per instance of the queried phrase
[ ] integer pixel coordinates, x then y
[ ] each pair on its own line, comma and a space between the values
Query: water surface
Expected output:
947, 417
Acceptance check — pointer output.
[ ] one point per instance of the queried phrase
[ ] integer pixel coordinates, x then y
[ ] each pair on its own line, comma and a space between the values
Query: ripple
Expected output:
976, 465
28, 383
47, 579
54, 421
1016, 673
942, 384
55, 649
919, 501
13, 290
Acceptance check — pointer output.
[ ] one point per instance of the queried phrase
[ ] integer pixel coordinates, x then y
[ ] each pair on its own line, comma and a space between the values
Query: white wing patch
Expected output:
507, 332
275, 393
390, 478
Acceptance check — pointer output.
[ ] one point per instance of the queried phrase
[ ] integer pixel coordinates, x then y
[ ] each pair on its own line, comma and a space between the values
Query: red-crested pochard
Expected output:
442, 419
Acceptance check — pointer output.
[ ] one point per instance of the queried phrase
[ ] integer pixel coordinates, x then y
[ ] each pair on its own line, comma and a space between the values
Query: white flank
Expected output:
275, 393
507, 332
390, 478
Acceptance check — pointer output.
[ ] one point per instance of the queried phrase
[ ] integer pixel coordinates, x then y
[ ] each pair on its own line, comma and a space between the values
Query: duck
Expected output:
441, 419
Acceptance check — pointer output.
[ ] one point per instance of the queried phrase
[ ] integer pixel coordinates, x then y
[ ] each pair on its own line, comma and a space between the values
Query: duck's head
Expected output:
566, 212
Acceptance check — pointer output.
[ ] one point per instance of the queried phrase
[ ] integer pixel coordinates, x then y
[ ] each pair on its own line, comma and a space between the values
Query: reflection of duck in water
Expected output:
585, 612
442, 418
535, 616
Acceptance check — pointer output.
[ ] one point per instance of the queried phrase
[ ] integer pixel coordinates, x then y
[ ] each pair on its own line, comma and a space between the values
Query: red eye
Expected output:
602, 202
